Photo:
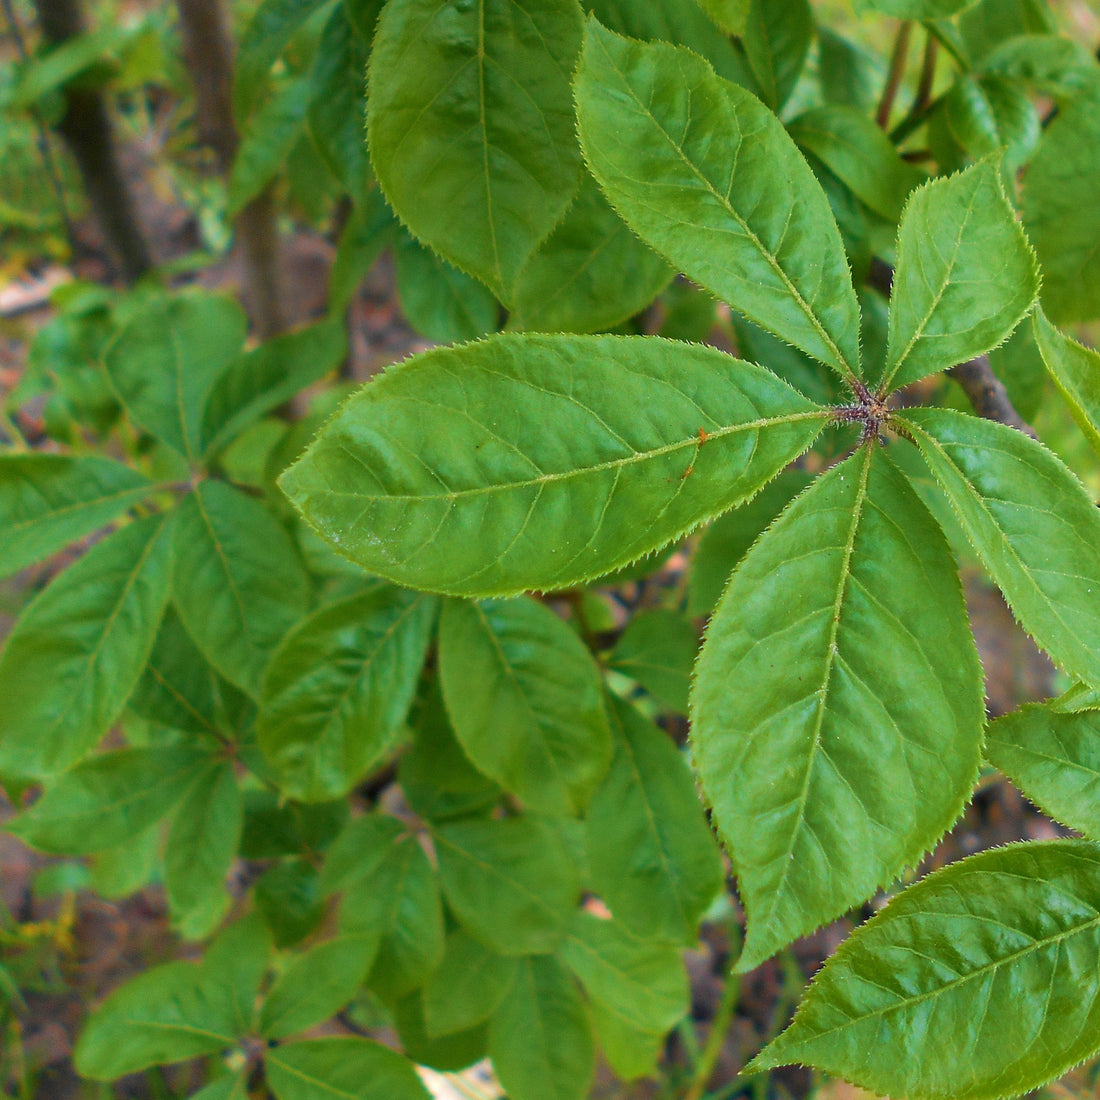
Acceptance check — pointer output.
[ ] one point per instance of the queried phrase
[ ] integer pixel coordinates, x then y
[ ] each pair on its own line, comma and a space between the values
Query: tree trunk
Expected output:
86, 130
208, 52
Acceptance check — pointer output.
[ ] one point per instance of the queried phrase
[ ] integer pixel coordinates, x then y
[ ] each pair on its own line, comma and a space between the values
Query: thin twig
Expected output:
719, 1026
896, 74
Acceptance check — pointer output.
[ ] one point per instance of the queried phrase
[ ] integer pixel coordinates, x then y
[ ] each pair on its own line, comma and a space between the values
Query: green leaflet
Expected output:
316, 984
202, 842
390, 890
1049, 63
512, 883
369, 229
1076, 372
338, 100
776, 39
992, 114
263, 378
234, 1087
1054, 758
848, 620
540, 1039
919, 9
48, 501
165, 361
239, 584
341, 1069
177, 1011
1061, 215
978, 982
470, 124
991, 22
591, 273
288, 894
446, 1053
76, 653
849, 75
528, 462
1032, 524
642, 982
654, 860
526, 701
728, 15
707, 176
469, 984
658, 649
339, 687
267, 142
849, 143
439, 301
630, 1052
109, 799
949, 303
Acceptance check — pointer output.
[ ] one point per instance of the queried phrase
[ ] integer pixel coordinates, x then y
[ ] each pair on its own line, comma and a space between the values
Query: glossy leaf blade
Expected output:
949, 302
707, 176
1054, 758
165, 361
239, 584
512, 883
1031, 523
1076, 372
654, 860
977, 983
471, 126
77, 652
540, 1039
528, 462
339, 688
526, 701
48, 501
341, 1069
849, 622
109, 799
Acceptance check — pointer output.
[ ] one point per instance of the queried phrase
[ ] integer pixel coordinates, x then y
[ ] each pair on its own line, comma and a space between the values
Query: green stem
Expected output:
897, 73
719, 1026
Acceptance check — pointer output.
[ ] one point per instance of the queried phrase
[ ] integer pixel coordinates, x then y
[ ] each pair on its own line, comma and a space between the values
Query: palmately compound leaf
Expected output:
526, 701
856, 740
76, 653
950, 301
704, 173
977, 983
339, 687
1054, 758
536, 462
1076, 372
471, 126
48, 501
1033, 525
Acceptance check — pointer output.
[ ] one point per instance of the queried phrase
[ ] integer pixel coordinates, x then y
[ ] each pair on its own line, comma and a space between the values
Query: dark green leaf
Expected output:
523, 461
339, 688
201, 845
48, 501
109, 799
642, 982
856, 150
849, 622
776, 39
1048, 63
630, 1051
262, 379
1076, 372
274, 826
1054, 758
992, 114
540, 1039
744, 218
658, 649
1033, 525
443, 1052
919, 9
369, 229
512, 883
728, 15
341, 1069
526, 701
949, 302
239, 584
316, 984
590, 274
165, 361
654, 861
289, 897
471, 126
850, 76
469, 984
978, 982
990, 22
76, 653
439, 301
